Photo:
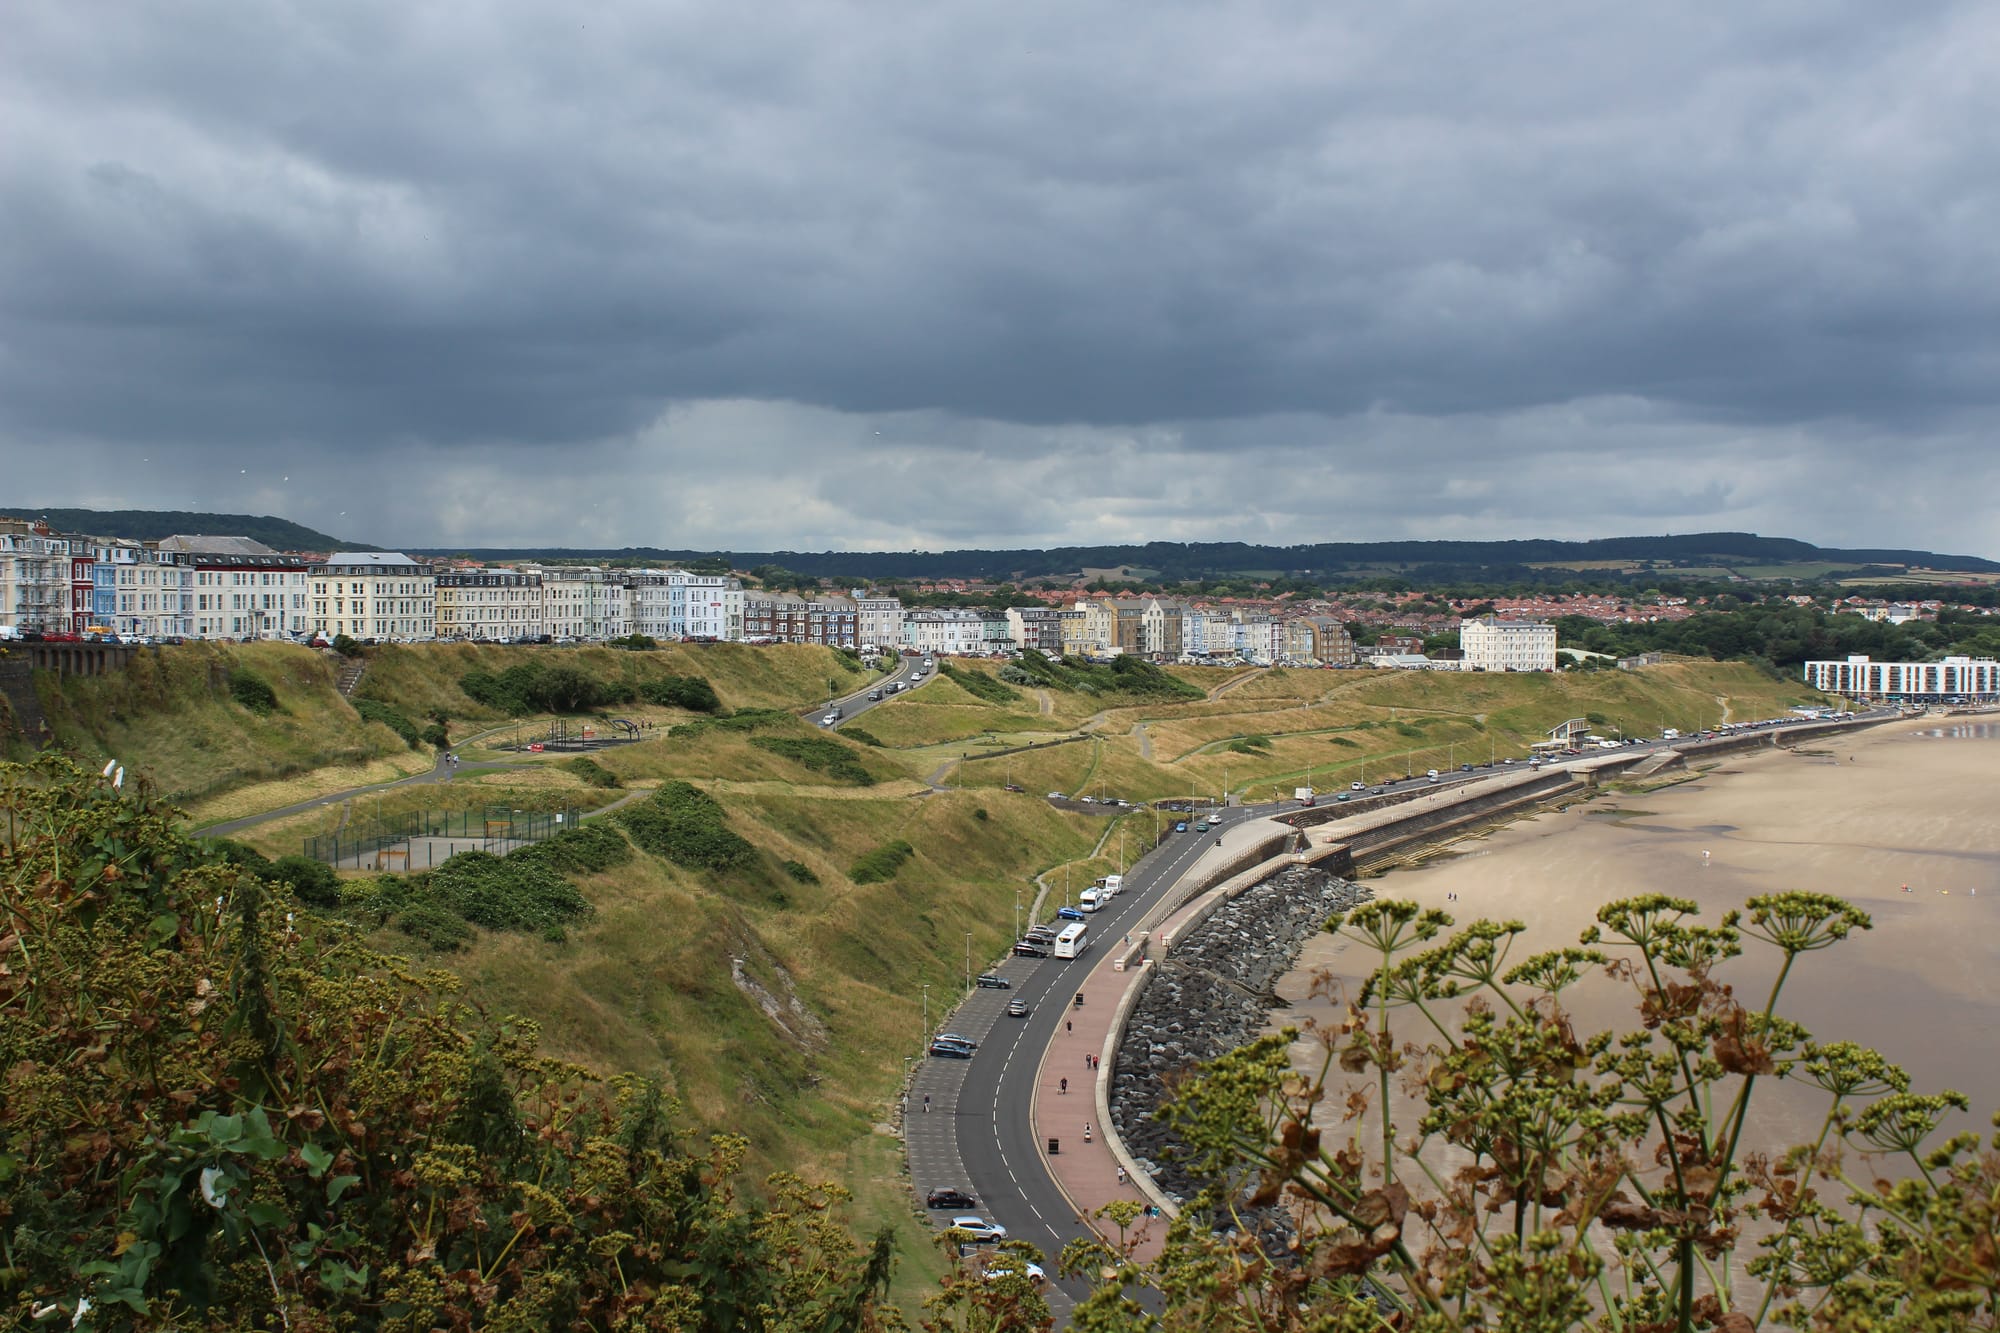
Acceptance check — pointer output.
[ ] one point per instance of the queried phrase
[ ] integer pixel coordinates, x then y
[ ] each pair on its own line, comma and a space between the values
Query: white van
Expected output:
1112, 887
1432, 775
1089, 900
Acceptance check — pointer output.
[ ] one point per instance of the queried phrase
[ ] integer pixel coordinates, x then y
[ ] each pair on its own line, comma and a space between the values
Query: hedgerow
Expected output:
374, 710
978, 684
693, 693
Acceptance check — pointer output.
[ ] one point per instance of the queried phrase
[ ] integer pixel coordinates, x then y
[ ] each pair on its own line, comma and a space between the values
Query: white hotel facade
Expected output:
1953, 678
1492, 644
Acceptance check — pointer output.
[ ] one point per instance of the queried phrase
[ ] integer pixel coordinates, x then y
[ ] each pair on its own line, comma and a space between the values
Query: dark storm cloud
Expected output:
1067, 248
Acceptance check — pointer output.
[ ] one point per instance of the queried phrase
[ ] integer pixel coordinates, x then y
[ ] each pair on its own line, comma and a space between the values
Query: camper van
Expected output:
1089, 900
1113, 885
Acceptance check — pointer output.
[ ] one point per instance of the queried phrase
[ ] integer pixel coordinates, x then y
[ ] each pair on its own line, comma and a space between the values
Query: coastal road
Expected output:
855, 704
983, 1104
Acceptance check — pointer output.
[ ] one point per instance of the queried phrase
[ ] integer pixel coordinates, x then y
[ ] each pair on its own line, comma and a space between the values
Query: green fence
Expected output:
492, 828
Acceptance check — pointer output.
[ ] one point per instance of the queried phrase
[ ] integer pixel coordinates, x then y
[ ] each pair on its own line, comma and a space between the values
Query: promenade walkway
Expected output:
1089, 1174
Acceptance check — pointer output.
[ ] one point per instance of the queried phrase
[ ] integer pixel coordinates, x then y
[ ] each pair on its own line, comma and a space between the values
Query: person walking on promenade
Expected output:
927, 1103
1064, 1087
1121, 1175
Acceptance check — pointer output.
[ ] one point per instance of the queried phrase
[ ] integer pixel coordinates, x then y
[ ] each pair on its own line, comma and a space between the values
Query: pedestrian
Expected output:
1086, 1131
927, 1103
1067, 1027
1096, 1062
1064, 1088
1086, 1059
1121, 1175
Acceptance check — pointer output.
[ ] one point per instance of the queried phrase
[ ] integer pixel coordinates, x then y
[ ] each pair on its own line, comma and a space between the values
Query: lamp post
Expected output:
968, 960
927, 1013
1017, 914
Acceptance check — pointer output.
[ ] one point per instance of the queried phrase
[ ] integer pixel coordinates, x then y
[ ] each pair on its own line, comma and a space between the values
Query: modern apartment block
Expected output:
233, 588
490, 605
1035, 628
1492, 644
1975, 678
373, 595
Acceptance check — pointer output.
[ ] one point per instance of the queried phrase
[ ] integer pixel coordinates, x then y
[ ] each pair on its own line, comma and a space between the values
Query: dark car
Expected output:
988, 981
947, 1051
1031, 949
1013, 786
949, 1198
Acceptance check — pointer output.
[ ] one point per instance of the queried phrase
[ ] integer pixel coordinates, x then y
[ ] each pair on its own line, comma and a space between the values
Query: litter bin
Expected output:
1055, 1147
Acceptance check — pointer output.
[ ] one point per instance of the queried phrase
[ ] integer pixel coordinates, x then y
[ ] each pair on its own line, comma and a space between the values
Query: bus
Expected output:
1072, 942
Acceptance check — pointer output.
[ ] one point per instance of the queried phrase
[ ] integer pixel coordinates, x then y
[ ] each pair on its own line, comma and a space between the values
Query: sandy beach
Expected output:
1908, 803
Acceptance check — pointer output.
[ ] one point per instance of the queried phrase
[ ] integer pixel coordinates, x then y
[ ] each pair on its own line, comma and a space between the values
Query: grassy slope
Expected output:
646, 984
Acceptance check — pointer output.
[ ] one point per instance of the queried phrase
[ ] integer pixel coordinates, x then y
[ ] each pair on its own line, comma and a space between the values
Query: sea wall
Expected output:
1209, 995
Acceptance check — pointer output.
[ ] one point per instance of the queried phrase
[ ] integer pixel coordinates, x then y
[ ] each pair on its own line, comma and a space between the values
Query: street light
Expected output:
968, 960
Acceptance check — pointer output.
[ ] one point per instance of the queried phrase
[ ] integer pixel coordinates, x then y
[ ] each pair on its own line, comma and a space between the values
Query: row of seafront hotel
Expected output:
235, 588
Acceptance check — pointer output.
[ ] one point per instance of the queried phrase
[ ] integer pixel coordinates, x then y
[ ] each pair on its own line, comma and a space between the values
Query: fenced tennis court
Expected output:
421, 839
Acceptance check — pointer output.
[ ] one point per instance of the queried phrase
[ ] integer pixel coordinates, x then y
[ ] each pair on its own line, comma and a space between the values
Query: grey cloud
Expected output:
1193, 236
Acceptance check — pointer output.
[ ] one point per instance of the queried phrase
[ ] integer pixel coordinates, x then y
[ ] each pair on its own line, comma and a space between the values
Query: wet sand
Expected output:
1908, 803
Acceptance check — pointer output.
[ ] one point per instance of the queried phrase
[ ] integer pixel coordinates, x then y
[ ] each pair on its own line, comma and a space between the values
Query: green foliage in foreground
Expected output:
1598, 1181
821, 754
218, 1118
688, 827
882, 863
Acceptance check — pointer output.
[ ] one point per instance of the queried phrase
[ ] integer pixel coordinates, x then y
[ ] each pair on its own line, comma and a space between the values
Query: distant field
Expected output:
1808, 572
1931, 576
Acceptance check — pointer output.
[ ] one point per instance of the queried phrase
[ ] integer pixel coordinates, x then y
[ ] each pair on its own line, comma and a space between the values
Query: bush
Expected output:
686, 826
312, 882
636, 641
593, 773
978, 684
820, 754
743, 719
374, 710
229, 852
801, 872
861, 736
541, 687
434, 926
518, 892
345, 646
979, 813
693, 693
436, 736
586, 849
252, 691
882, 863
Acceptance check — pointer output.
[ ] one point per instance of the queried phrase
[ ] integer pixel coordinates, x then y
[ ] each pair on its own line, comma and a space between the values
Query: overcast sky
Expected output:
895, 275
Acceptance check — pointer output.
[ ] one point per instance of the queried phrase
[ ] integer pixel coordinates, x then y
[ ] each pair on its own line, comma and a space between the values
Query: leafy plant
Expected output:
217, 1118
593, 773
1607, 1179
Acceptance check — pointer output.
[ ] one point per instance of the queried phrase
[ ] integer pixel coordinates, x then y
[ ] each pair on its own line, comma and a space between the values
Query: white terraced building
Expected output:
1953, 678
374, 595
493, 605
1492, 644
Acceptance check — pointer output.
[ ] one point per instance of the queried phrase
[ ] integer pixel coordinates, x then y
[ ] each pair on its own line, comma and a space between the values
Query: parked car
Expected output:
956, 1039
991, 981
1017, 1008
947, 1051
1055, 796
1181, 827
1069, 914
1003, 1266
979, 1228
946, 1197
1013, 786
1031, 949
